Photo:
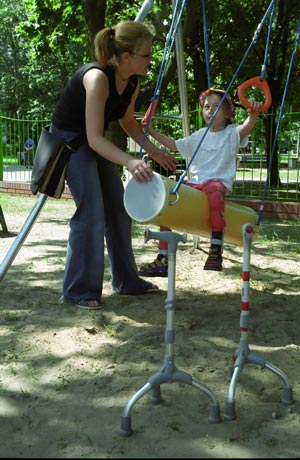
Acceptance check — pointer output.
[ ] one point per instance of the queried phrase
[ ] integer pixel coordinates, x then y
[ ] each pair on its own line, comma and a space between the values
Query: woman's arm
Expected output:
97, 92
134, 130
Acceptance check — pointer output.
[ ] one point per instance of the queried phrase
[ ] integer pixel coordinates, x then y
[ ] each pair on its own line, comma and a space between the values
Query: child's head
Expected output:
209, 101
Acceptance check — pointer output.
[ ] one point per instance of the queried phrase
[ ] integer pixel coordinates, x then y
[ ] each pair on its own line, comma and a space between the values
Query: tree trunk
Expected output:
94, 16
270, 127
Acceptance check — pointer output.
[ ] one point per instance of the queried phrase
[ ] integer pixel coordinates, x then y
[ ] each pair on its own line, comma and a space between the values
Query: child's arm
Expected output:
250, 121
166, 141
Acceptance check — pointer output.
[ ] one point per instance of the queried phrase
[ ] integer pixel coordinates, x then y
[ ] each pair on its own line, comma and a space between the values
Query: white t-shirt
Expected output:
216, 157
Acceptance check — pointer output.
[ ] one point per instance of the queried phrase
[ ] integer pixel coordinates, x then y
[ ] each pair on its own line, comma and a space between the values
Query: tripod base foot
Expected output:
156, 398
126, 429
229, 413
287, 396
215, 413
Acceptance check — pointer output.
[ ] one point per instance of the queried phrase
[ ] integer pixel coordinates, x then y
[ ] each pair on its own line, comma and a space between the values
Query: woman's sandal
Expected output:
88, 304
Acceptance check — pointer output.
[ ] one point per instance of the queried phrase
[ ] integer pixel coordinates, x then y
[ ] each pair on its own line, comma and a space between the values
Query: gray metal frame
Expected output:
168, 373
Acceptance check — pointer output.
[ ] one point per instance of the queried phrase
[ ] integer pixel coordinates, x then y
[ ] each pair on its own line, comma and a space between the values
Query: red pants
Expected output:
163, 244
215, 192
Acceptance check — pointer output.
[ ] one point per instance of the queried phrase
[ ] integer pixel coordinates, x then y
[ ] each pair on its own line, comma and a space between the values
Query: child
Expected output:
214, 167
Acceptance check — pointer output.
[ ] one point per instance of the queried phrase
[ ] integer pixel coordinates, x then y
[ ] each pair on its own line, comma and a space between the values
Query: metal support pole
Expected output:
168, 373
15, 247
243, 354
2, 222
182, 79
146, 6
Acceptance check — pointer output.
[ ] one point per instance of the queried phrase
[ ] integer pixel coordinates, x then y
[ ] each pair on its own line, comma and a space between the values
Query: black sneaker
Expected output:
214, 261
159, 267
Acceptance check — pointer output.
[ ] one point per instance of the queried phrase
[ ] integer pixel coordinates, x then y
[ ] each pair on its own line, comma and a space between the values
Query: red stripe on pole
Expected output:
246, 276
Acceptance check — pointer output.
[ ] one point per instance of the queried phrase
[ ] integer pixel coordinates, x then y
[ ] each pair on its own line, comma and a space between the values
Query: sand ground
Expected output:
67, 375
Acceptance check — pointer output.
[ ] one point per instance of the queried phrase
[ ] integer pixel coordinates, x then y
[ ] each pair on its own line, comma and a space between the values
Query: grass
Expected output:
252, 184
250, 173
14, 204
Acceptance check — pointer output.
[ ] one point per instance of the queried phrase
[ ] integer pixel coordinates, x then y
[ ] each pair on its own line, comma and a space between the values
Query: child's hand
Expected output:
165, 159
144, 123
255, 106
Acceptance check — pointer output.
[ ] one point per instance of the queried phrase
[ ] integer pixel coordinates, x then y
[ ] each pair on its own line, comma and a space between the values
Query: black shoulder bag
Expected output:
50, 163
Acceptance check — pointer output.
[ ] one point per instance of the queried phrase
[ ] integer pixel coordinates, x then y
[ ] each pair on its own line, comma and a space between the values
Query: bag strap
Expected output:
74, 143
77, 141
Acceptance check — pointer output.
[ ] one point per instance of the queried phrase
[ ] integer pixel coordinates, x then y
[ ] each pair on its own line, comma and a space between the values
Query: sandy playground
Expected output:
67, 374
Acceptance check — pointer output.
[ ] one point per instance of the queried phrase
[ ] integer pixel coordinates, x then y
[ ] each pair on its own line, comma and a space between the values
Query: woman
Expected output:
98, 93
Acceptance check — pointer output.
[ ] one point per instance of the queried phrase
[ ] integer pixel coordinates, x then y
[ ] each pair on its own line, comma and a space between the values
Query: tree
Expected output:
12, 56
42, 43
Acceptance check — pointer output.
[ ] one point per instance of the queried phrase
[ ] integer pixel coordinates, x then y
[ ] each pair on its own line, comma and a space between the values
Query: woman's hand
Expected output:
139, 170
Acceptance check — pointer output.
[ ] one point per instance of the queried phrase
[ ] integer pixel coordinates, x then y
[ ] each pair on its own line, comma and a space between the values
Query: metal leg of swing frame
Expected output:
243, 355
19, 240
2, 222
168, 372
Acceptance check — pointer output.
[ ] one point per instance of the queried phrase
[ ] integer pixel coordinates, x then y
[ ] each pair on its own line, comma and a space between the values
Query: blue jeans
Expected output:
97, 189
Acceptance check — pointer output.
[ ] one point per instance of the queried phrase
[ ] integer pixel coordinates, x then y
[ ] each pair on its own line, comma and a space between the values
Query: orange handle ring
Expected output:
263, 85
151, 108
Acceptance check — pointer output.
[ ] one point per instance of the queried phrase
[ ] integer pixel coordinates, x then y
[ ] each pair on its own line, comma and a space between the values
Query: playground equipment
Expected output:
2, 222
160, 204
20, 238
243, 355
168, 372
187, 210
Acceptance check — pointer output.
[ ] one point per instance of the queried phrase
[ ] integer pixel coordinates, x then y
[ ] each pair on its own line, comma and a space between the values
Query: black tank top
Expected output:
69, 113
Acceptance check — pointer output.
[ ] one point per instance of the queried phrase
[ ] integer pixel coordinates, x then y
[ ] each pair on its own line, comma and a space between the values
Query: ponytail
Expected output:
104, 45
126, 36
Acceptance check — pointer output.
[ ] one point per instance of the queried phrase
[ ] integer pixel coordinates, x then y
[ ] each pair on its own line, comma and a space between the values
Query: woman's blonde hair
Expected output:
127, 36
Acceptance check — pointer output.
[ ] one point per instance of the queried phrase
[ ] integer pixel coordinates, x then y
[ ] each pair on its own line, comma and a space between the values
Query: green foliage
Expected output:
44, 41
42, 45
53, 24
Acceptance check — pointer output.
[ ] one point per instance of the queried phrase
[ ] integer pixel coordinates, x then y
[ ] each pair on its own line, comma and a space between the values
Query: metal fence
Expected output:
20, 137
17, 149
